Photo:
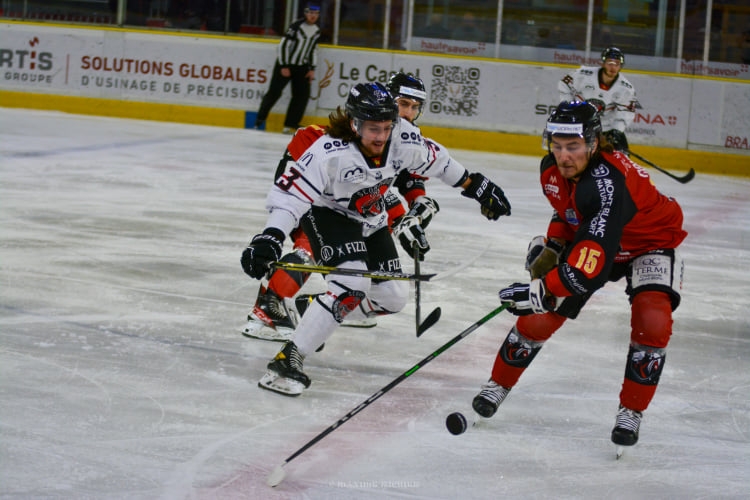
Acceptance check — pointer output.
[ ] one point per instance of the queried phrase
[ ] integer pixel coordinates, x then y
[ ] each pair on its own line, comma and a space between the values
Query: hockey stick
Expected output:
277, 475
681, 179
380, 275
431, 318
417, 288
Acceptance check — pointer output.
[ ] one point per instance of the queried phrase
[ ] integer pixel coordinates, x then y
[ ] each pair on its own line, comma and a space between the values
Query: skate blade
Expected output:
619, 450
361, 323
259, 330
271, 381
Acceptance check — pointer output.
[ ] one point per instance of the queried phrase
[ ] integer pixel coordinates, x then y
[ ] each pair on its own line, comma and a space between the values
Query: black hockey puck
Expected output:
456, 423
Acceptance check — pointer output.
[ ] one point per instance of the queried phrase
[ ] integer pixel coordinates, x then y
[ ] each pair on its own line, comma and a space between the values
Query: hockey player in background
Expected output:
336, 191
271, 318
607, 89
609, 222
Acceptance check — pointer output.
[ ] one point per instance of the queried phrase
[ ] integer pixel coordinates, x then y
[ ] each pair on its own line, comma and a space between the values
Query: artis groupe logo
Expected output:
26, 65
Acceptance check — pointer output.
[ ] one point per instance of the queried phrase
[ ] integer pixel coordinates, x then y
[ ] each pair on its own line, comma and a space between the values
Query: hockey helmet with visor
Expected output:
573, 119
409, 87
370, 102
613, 53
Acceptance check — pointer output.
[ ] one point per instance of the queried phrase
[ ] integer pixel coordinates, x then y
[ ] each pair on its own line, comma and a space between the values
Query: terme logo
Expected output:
24, 65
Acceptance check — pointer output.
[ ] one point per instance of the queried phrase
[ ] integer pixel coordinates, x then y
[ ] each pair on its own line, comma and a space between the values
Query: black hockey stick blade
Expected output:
380, 275
682, 179
277, 475
429, 321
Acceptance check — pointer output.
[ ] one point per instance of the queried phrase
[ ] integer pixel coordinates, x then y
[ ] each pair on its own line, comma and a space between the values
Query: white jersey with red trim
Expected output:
335, 174
617, 102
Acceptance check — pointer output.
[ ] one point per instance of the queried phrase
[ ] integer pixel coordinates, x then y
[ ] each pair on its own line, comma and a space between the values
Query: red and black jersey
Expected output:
613, 213
303, 139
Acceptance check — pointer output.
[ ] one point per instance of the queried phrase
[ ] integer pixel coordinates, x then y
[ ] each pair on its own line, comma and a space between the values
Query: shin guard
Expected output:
642, 373
651, 328
514, 356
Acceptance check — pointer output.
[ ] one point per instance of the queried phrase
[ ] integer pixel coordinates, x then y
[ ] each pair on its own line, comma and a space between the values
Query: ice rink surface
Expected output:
123, 373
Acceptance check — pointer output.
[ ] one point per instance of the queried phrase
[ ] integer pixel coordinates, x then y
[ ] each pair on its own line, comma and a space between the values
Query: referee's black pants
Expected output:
300, 95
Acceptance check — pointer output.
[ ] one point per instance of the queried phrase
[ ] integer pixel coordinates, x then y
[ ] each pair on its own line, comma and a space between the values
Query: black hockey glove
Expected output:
424, 209
489, 195
263, 250
542, 256
410, 233
617, 139
527, 298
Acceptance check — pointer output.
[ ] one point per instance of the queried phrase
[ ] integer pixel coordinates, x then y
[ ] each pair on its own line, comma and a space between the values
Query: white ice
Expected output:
123, 373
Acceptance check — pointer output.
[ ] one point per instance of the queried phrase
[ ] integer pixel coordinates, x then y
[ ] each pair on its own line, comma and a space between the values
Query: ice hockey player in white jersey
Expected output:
608, 90
336, 191
272, 317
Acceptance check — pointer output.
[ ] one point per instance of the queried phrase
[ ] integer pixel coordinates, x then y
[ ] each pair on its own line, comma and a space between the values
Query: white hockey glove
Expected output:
424, 208
410, 233
527, 298
542, 256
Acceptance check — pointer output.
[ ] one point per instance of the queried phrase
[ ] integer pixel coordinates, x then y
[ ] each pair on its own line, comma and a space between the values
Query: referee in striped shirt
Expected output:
297, 56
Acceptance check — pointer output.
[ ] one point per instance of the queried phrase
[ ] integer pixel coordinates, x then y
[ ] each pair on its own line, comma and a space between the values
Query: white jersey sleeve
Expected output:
451, 171
294, 192
437, 163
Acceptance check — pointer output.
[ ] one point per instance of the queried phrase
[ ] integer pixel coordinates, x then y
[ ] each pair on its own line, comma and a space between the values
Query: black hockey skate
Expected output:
270, 318
489, 398
627, 424
285, 374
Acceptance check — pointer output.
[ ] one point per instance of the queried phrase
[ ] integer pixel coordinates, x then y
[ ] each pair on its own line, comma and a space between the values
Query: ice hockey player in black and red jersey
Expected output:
607, 89
336, 191
609, 222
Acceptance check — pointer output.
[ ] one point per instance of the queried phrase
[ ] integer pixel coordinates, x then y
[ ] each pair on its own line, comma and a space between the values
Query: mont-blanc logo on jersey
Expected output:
571, 217
335, 144
353, 175
326, 253
600, 171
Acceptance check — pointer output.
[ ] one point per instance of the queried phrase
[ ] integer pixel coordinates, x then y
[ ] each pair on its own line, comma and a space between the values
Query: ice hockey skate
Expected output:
489, 398
285, 375
627, 424
270, 318
304, 300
